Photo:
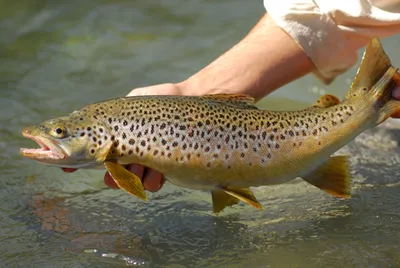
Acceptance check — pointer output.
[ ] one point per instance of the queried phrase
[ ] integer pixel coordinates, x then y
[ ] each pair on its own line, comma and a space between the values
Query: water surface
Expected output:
56, 56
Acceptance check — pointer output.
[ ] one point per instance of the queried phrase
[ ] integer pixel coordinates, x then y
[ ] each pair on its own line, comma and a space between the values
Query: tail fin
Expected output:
374, 65
377, 78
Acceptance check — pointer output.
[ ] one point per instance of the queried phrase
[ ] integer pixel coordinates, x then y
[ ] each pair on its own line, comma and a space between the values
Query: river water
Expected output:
56, 56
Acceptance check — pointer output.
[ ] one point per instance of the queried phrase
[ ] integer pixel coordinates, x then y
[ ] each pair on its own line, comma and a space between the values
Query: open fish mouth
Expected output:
48, 149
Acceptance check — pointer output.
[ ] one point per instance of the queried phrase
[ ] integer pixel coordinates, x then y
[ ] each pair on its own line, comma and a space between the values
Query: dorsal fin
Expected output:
326, 101
374, 65
232, 97
234, 100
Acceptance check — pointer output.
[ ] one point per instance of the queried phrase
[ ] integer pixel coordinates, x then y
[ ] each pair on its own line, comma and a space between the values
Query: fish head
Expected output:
74, 141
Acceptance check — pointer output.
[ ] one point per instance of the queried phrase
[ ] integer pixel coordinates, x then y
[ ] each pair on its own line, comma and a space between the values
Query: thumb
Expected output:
162, 89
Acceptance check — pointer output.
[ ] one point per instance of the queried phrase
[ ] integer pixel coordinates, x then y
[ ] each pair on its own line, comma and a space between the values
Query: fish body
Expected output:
222, 143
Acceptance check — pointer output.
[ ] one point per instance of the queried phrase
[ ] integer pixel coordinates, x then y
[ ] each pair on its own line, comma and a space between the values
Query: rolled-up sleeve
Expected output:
324, 29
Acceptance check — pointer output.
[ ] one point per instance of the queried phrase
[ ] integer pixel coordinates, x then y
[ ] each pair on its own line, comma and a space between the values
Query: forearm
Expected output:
263, 61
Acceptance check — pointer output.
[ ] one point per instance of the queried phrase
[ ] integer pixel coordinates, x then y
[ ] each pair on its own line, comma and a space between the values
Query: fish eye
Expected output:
59, 132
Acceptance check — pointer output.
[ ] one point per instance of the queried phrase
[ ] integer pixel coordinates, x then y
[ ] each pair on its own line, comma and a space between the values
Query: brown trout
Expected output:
222, 143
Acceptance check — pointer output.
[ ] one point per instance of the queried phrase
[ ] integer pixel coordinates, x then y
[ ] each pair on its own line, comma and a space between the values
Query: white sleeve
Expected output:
327, 29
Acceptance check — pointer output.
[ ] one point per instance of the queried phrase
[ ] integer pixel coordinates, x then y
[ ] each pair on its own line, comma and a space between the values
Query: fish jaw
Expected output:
49, 149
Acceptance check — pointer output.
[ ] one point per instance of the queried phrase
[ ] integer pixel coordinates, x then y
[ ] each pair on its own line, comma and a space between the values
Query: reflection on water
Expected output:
60, 55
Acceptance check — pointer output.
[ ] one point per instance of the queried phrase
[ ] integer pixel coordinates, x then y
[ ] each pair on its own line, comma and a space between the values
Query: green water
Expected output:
56, 56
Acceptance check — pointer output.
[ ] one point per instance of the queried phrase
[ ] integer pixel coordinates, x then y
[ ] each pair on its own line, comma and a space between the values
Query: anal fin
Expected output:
126, 180
243, 194
332, 177
221, 200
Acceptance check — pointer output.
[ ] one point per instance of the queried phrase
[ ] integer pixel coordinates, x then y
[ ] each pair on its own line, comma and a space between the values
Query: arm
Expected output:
263, 61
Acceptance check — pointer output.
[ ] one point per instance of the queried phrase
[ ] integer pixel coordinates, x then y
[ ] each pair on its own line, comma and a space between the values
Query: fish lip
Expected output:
48, 149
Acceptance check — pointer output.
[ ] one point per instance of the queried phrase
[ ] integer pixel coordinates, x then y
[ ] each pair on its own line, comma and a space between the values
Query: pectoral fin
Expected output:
126, 180
222, 200
102, 153
243, 194
332, 177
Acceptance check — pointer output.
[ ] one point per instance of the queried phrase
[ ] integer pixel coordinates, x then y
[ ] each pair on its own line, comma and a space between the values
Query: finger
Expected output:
137, 169
109, 181
396, 94
69, 170
395, 115
153, 180
161, 89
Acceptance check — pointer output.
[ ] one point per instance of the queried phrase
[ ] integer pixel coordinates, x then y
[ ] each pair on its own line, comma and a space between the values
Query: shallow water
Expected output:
56, 56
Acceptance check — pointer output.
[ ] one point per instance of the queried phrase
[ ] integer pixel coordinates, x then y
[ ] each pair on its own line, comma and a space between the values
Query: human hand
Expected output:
152, 180
396, 94
162, 89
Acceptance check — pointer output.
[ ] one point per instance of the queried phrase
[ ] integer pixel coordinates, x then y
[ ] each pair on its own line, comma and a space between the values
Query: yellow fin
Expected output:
232, 97
332, 177
126, 180
102, 153
243, 194
234, 100
376, 79
222, 200
373, 67
326, 101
